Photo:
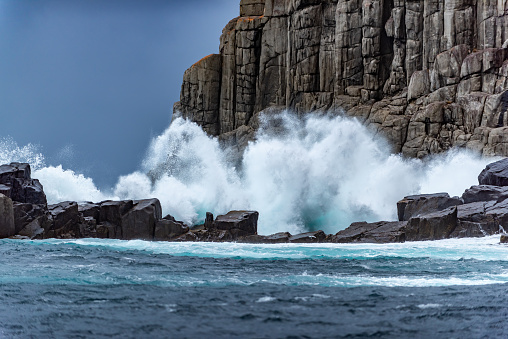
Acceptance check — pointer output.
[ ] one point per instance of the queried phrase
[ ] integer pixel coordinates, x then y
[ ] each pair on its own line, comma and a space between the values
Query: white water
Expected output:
320, 172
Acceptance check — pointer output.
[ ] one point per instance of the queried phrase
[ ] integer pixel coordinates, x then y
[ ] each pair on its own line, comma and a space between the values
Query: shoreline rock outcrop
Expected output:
482, 210
427, 75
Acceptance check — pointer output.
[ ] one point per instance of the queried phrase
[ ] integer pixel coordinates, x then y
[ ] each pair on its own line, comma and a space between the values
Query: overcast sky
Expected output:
92, 81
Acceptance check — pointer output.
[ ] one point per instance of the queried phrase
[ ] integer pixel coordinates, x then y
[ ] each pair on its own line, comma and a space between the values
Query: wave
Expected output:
316, 172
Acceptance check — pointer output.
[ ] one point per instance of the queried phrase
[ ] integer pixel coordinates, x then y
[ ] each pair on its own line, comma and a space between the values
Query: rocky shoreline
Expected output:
24, 214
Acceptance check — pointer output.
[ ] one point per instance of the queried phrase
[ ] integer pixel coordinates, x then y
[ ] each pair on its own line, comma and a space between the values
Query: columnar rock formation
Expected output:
426, 74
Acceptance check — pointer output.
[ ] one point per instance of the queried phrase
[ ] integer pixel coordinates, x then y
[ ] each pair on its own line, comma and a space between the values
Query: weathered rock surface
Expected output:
495, 174
427, 75
237, 223
378, 232
415, 205
17, 184
7, 227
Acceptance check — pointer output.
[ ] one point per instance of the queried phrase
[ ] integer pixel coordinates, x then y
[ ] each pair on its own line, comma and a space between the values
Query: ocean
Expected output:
315, 172
137, 289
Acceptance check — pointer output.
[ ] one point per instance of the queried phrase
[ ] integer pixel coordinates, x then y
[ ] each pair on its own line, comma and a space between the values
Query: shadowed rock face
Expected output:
428, 75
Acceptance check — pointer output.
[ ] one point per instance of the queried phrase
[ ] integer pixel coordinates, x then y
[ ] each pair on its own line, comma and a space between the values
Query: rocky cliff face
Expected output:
426, 74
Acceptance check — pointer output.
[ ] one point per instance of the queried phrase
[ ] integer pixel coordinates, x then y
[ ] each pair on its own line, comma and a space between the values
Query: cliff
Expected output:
426, 74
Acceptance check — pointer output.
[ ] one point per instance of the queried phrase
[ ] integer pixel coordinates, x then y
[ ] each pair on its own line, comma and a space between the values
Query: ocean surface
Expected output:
93, 288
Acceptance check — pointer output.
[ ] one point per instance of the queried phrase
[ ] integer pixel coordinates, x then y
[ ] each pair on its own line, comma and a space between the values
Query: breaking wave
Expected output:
316, 172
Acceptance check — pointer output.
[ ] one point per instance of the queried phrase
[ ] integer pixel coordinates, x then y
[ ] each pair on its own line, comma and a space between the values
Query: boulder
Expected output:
7, 227
415, 205
168, 229
31, 220
65, 220
89, 209
16, 183
433, 226
88, 227
484, 193
504, 239
139, 222
495, 174
472, 221
377, 232
239, 223
309, 237
112, 211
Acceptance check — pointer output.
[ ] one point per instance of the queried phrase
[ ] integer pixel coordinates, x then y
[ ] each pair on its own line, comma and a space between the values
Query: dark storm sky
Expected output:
92, 81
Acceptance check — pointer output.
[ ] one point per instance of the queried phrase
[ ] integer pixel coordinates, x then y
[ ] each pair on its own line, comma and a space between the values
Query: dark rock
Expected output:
378, 232
5, 190
169, 229
88, 227
17, 183
309, 237
34, 216
32, 231
253, 239
239, 223
102, 231
495, 174
208, 220
139, 222
66, 220
484, 193
415, 205
433, 226
189, 236
7, 226
281, 237
112, 211
89, 209
474, 222
499, 211
504, 239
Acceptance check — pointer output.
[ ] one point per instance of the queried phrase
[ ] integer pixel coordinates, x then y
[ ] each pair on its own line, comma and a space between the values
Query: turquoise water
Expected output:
101, 288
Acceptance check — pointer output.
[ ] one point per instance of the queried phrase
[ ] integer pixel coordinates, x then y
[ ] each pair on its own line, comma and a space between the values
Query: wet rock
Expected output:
433, 226
378, 232
139, 222
7, 227
239, 223
277, 238
30, 219
495, 174
474, 222
88, 227
89, 209
484, 193
65, 220
309, 237
415, 205
168, 228
504, 239
112, 211
17, 183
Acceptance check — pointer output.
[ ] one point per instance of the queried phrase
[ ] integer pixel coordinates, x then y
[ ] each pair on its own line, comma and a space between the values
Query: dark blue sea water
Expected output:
135, 289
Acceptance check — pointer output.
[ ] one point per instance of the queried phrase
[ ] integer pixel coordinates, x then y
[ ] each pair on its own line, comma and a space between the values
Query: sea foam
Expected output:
315, 172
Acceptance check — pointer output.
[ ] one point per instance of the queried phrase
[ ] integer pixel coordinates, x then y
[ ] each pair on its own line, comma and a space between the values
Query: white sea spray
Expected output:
316, 172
